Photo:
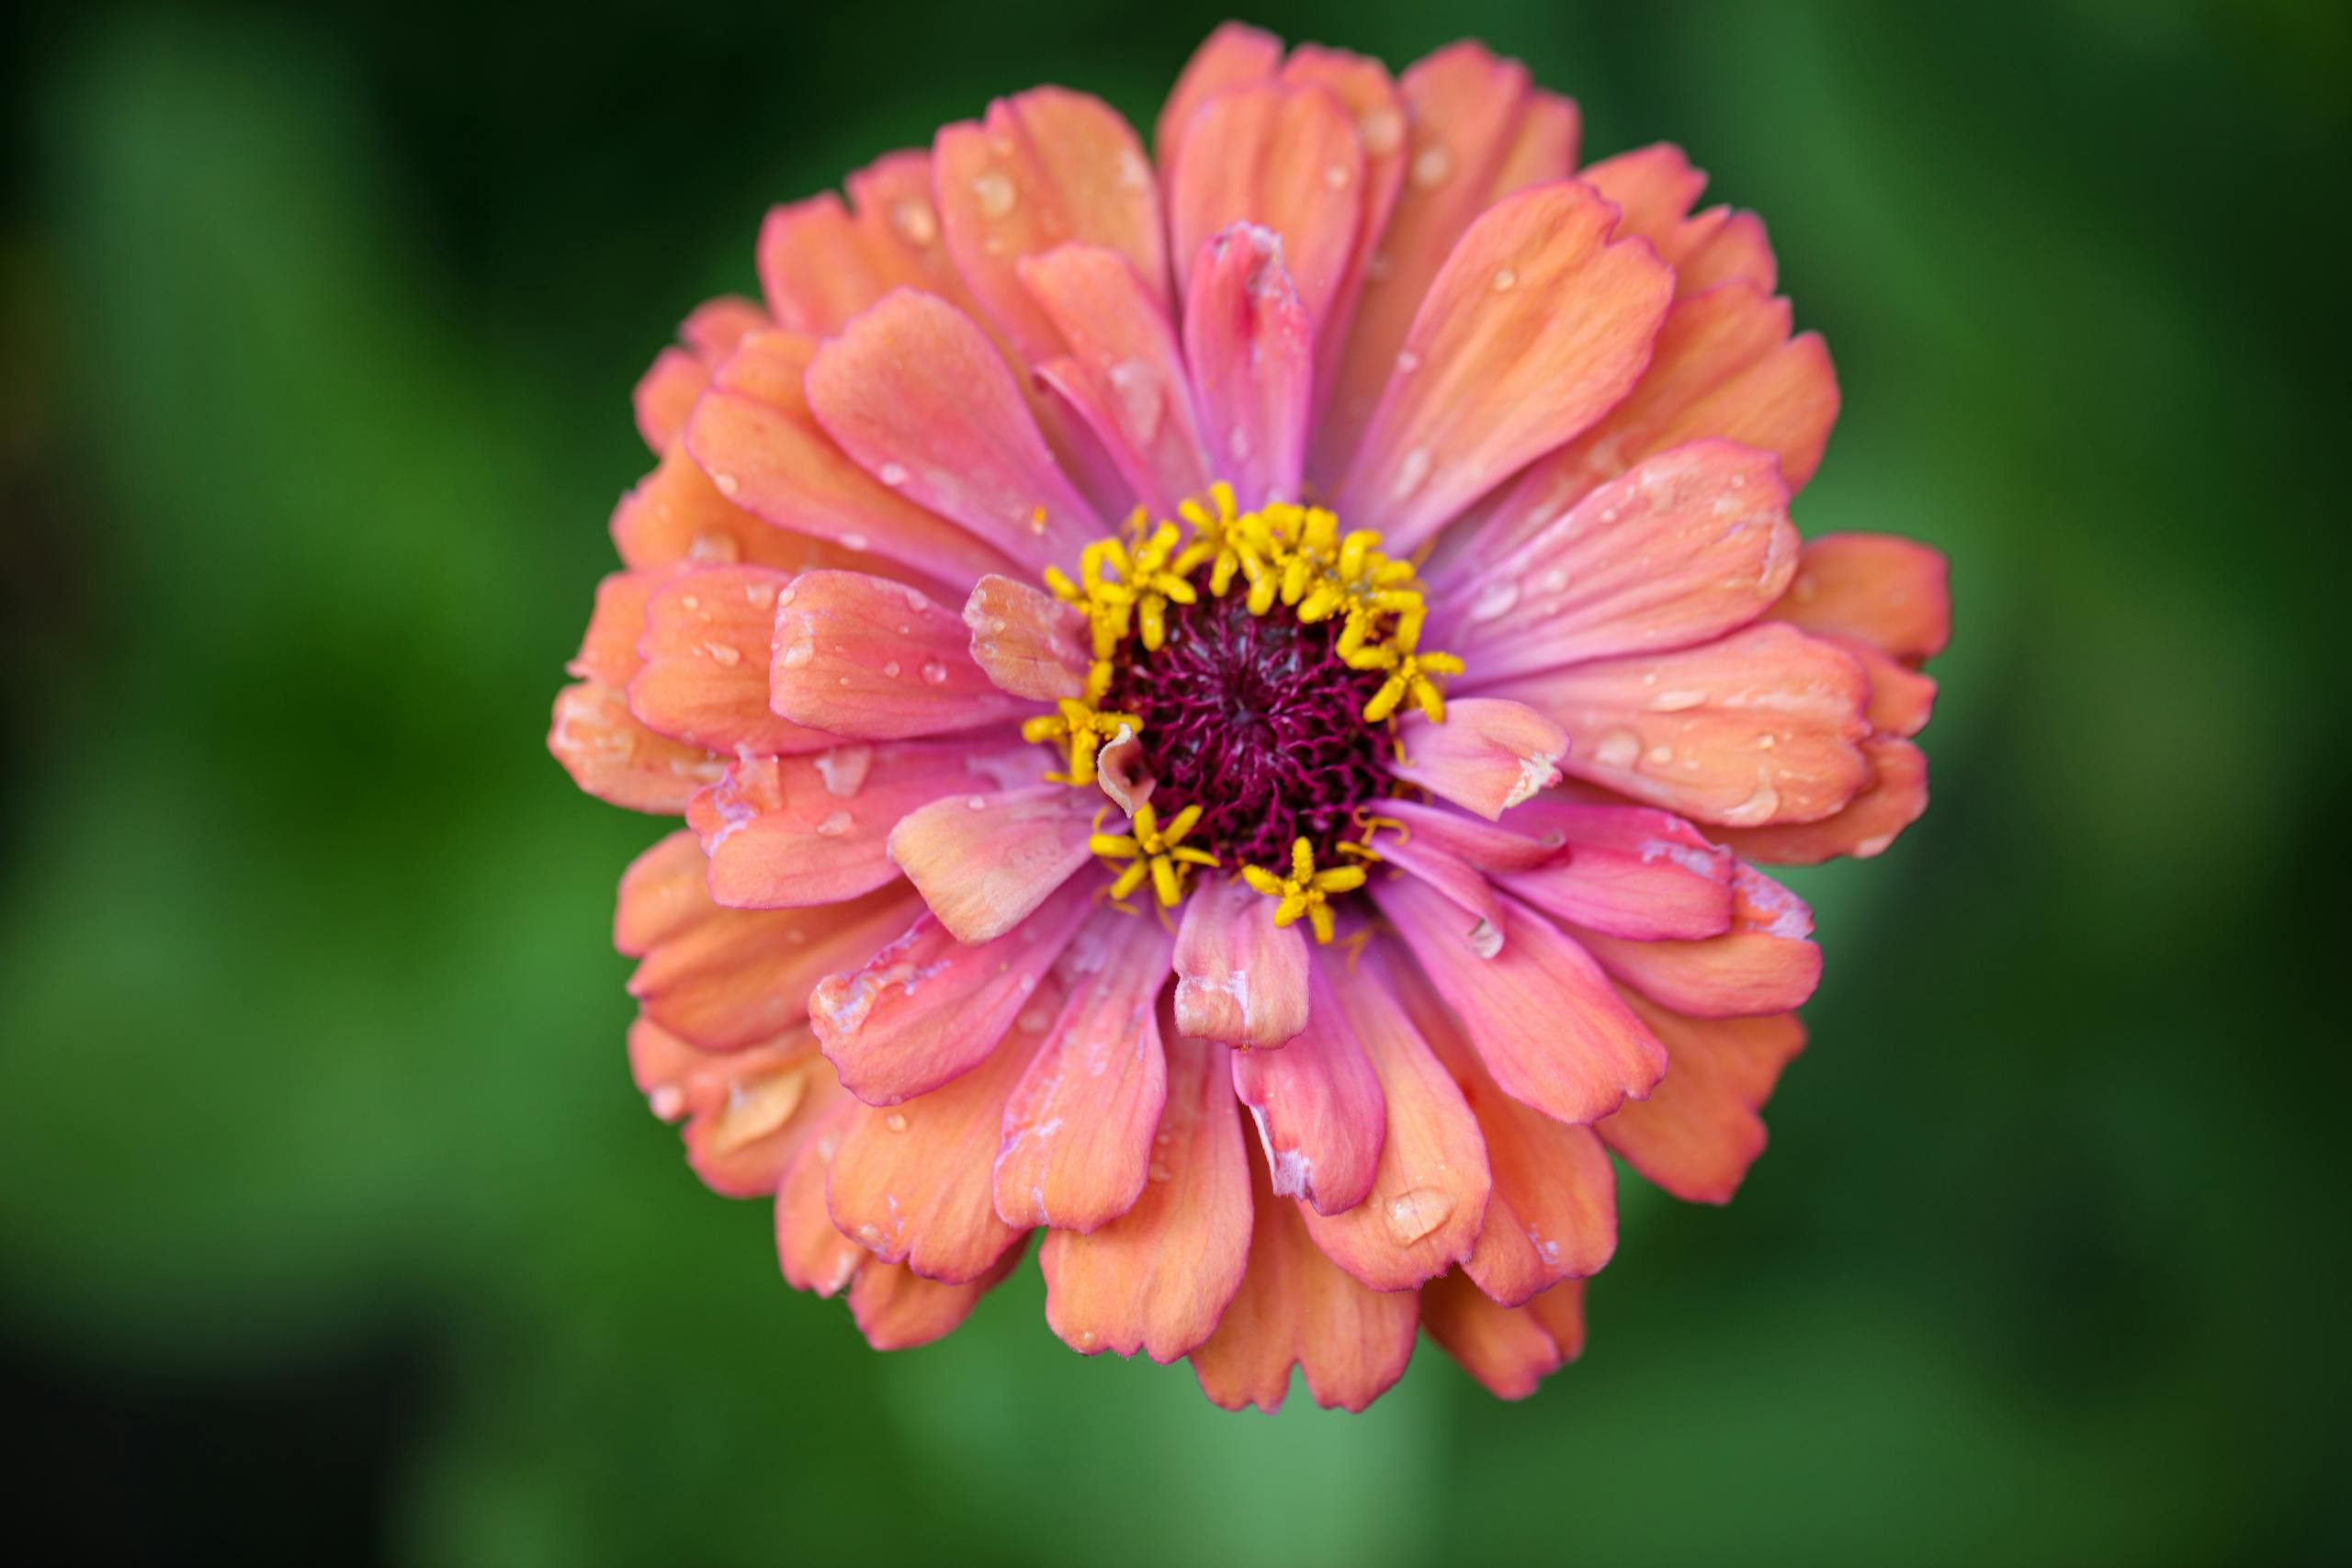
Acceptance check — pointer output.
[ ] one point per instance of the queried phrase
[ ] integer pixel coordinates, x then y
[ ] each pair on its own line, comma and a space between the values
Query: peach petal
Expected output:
1763, 724
1540, 1012
1699, 1133
891, 198
1482, 922
1030, 643
1464, 111
1509, 1351
665, 394
1158, 1278
676, 515
1902, 699
984, 861
1044, 168
912, 1184
1247, 336
1533, 329
1765, 963
608, 653
713, 329
1234, 54
1124, 372
815, 270
1895, 797
1318, 1105
897, 1309
1892, 592
1240, 979
1428, 1191
926, 1008
785, 832
1628, 870
612, 756
1295, 1307
1078, 1131
914, 392
742, 1109
1690, 544
727, 979
1278, 155
757, 435
661, 893
876, 660
1488, 756
705, 679
1655, 188
1364, 87
813, 1253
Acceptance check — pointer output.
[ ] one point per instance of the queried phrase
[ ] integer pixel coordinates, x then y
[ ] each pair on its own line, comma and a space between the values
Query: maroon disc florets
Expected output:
1258, 721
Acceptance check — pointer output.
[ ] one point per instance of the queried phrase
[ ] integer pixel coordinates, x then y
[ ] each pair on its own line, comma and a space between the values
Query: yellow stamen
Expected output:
1153, 850
1306, 891
1085, 729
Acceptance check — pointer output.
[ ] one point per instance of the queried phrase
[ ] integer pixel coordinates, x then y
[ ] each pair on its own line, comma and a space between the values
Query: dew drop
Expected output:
853, 541
912, 218
726, 483
797, 654
1335, 176
1412, 1215
1433, 166
891, 668
896, 1122
1504, 278
1407, 362
1616, 747
1494, 600
1383, 130
977, 802
892, 474
993, 191
934, 672
725, 654
1410, 473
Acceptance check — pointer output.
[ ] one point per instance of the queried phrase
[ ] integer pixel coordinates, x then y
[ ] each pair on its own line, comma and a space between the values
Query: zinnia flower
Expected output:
1226, 709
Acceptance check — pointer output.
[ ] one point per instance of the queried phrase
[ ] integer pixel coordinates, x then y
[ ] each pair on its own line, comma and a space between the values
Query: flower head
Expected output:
1362, 524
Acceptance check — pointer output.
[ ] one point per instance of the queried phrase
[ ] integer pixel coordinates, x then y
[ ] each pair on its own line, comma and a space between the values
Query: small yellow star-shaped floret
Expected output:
1306, 891
1153, 850
1085, 728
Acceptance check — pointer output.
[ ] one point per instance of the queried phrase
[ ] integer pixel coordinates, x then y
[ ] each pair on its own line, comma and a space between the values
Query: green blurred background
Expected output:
331, 1227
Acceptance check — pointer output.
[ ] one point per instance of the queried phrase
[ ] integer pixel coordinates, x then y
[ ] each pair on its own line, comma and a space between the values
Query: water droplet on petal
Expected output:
853, 541
892, 474
912, 218
1433, 166
934, 672
835, 824
890, 668
1335, 176
1504, 277
726, 483
993, 192
1616, 747
725, 654
1412, 1215
896, 1122
1410, 473
1383, 130
1494, 600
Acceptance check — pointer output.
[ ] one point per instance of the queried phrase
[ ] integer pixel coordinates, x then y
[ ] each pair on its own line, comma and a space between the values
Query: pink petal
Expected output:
715, 327
677, 514
815, 1256
612, 756
1902, 699
1295, 1307
1470, 144
757, 434
661, 893
897, 1309
1363, 88
1046, 167
911, 1184
784, 832
1764, 963
1508, 1350
815, 270
1487, 757
608, 653
1122, 372
1246, 334
1654, 188
1533, 329
665, 394
915, 393
705, 676
1234, 54
1699, 1133
1158, 1278
1077, 1132
1469, 839
1895, 797
1892, 592
1429, 1192
984, 861
1240, 979
1030, 643
1692, 544
1462, 881
877, 660
1627, 871
1318, 1107
1278, 155
746, 1111
1540, 1014
1764, 724
926, 1008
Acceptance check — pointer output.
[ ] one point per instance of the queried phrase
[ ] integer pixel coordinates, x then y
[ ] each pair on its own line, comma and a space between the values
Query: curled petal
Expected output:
1488, 756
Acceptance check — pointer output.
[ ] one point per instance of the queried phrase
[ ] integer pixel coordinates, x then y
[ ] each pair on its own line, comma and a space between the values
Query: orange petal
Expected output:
705, 651
1533, 329
927, 1007
1895, 797
1509, 1349
1320, 1113
1482, 921
1764, 724
1078, 1131
861, 656
1030, 643
1240, 979
746, 1110
913, 390
1540, 1014
1892, 592
675, 515
1046, 167
815, 1256
1902, 699
1488, 756
984, 861
1429, 1192
1692, 544
785, 833
1234, 54
1246, 334
1295, 1307
716, 326
912, 1183
1765, 963
1655, 188
814, 268
608, 653
1699, 1133
665, 394
612, 756
1627, 871
661, 893
1158, 1278
897, 1309
1122, 373
766, 452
